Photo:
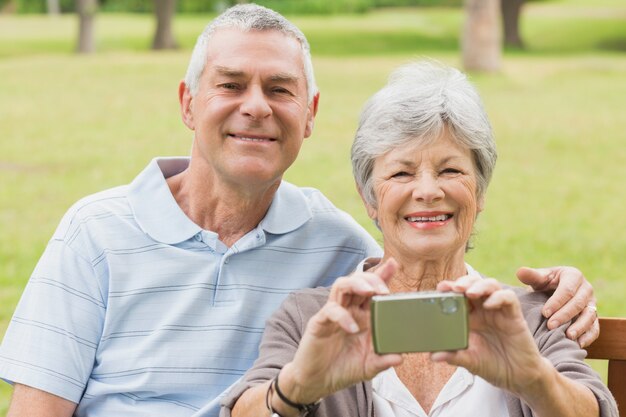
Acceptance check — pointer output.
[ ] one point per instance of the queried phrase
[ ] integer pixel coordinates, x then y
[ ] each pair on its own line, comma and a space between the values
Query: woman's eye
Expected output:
451, 171
400, 174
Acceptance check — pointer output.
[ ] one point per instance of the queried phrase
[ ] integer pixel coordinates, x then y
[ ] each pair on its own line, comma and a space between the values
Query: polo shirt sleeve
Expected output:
52, 339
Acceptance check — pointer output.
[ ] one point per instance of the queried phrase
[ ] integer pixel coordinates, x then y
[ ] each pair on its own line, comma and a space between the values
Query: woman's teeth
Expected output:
440, 218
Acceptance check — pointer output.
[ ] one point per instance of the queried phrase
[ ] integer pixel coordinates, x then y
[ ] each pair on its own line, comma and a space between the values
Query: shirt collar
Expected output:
155, 209
289, 210
159, 215
388, 386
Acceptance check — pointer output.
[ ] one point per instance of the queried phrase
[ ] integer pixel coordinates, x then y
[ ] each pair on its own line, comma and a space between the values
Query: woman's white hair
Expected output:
247, 17
418, 103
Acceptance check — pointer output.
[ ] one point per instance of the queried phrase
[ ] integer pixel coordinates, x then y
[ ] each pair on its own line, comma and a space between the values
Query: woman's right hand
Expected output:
501, 348
336, 349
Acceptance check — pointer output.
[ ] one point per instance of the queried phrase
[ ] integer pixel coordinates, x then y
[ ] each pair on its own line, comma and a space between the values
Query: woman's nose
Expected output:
255, 104
427, 189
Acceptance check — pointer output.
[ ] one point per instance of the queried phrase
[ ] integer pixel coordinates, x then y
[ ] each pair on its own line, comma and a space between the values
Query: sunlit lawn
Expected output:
71, 125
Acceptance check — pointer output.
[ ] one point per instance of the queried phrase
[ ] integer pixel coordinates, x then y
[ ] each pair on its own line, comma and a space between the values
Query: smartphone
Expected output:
426, 321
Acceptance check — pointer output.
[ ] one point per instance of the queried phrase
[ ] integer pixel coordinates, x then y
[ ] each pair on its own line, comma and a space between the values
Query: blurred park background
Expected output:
72, 124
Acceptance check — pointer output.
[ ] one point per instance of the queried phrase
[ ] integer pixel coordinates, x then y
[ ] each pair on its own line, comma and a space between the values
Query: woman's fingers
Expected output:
472, 286
334, 313
500, 300
359, 287
380, 363
482, 288
459, 285
450, 357
345, 288
386, 270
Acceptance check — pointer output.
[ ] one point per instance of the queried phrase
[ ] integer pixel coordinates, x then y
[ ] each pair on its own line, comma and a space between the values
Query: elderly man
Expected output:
151, 298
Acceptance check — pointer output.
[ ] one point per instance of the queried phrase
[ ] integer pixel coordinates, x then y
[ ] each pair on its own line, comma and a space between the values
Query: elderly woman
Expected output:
422, 157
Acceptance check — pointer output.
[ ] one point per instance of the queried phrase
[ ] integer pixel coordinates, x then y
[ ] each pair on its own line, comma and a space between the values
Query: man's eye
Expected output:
281, 90
230, 86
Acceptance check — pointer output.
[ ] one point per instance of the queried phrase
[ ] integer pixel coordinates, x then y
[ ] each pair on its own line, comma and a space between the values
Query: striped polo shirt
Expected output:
133, 309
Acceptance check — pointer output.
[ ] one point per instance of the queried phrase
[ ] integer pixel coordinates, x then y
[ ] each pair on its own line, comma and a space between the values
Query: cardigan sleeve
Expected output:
564, 354
280, 341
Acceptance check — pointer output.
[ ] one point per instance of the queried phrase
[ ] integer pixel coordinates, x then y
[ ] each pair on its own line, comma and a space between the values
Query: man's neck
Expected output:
225, 209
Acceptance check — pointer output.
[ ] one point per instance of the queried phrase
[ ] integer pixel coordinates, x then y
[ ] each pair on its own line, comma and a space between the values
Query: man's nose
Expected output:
255, 104
427, 189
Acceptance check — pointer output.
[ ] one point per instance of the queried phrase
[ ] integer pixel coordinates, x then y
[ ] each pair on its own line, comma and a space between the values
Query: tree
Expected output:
86, 10
511, 12
163, 36
54, 7
7, 6
481, 42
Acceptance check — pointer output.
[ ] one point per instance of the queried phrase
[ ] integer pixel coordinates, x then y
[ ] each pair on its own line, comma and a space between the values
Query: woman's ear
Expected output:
480, 203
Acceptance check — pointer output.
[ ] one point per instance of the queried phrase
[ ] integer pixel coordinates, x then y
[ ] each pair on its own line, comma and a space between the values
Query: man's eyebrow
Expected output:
229, 72
284, 77
281, 77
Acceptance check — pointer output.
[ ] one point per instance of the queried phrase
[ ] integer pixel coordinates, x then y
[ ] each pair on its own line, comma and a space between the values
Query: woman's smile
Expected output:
428, 220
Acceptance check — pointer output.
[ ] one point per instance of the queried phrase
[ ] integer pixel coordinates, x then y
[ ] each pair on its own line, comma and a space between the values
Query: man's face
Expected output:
250, 114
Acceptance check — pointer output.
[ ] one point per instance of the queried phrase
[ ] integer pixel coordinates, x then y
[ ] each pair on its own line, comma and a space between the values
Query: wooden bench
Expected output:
611, 346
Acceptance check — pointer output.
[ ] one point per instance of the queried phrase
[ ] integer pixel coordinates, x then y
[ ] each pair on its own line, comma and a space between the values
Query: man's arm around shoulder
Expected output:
32, 402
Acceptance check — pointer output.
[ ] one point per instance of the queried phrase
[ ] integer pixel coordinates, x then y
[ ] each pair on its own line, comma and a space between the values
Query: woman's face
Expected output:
426, 199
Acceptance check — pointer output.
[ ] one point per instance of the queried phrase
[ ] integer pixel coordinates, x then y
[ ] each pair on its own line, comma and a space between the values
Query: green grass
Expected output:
73, 125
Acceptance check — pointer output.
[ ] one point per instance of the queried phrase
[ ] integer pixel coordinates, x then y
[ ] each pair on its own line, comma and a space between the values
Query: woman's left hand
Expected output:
501, 349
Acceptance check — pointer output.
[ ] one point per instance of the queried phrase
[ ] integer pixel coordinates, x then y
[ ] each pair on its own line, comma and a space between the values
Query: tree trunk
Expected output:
511, 11
9, 7
164, 13
481, 42
54, 8
86, 13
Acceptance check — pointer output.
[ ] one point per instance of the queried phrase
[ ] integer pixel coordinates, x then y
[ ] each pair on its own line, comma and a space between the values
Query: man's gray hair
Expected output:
418, 103
247, 17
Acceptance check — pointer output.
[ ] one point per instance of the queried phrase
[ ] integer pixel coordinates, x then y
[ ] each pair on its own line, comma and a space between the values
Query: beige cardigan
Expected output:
286, 327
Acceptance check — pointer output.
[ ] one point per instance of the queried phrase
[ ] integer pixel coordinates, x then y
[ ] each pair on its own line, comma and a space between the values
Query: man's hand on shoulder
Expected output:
573, 299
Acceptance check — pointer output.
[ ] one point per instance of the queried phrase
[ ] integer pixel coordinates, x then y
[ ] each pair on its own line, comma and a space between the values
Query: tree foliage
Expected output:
212, 6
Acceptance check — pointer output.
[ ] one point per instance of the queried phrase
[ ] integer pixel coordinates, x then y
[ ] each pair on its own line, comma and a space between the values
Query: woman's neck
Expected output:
424, 275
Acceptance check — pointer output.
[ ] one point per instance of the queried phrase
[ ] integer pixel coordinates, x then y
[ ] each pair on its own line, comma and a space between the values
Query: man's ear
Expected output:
372, 211
185, 99
311, 115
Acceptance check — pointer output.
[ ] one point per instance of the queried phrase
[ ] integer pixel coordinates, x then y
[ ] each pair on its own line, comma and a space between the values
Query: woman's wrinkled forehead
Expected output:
442, 148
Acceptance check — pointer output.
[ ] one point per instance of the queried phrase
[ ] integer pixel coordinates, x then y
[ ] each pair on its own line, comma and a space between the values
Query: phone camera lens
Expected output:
449, 305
